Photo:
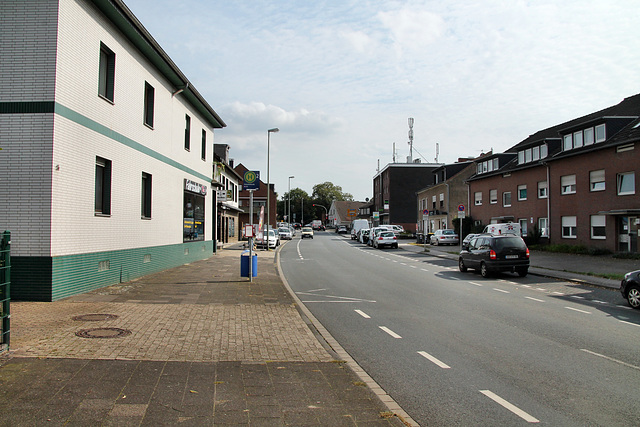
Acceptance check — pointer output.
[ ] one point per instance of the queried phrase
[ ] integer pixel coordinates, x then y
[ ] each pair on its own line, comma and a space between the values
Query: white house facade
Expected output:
107, 150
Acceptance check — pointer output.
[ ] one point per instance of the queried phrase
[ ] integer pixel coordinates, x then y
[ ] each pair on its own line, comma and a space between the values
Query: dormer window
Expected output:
584, 137
487, 166
532, 154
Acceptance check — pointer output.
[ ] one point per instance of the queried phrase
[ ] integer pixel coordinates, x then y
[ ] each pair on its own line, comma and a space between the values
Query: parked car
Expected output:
630, 288
285, 233
373, 234
488, 253
363, 235
307, 232
342, 229
444, 237
273, 239
467, 239
385, 238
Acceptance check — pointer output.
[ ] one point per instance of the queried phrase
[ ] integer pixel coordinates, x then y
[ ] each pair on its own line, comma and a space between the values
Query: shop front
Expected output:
194, 211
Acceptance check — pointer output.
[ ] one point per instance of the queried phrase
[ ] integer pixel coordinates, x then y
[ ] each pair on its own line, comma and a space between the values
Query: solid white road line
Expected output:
363, 314
389, 331
519, 412
629, 323
579, 311
434, 360
611, 359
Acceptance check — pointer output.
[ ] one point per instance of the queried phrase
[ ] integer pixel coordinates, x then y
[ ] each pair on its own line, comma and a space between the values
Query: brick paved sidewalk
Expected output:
205, 347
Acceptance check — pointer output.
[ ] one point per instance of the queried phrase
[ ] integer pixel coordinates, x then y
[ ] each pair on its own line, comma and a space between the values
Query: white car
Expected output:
444, 237
273, 240
285, 233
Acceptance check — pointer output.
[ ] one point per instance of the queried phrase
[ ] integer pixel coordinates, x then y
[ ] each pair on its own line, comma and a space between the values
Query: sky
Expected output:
340, 78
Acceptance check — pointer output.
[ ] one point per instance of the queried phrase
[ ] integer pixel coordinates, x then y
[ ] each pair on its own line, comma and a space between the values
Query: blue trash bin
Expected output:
244, 264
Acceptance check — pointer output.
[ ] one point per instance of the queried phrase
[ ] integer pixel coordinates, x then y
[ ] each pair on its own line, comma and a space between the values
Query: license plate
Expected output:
511, 257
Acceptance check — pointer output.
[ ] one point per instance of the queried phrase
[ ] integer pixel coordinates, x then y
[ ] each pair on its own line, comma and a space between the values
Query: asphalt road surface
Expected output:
454, 348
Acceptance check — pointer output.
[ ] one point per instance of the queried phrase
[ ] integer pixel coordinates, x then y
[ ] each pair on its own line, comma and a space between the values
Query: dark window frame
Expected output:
103, 187
203, 148
107, 73
187, 132
145, 205
149, 98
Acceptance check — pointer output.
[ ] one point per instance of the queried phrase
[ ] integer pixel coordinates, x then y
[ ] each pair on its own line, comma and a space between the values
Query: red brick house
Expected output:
576, 182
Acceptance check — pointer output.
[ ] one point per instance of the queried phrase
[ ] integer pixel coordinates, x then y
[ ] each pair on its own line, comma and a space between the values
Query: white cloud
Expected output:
412, 29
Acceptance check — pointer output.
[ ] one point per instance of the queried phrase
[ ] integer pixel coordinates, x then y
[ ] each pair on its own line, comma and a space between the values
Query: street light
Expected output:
269, 182
289, 197
326, 213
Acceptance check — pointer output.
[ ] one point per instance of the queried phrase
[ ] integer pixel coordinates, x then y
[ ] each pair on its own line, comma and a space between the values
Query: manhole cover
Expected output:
103, 333
94, 317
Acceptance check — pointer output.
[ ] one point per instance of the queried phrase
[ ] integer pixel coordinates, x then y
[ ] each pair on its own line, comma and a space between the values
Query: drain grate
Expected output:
94, 317
103, 333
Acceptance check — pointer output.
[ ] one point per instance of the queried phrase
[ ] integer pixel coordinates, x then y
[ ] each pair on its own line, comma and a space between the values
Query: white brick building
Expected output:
107, 149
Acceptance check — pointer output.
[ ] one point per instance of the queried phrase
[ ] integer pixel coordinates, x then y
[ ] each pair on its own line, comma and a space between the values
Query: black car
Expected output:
630, 288
489, 253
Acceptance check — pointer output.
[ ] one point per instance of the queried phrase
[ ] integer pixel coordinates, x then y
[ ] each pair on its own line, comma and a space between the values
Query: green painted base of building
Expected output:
54, 278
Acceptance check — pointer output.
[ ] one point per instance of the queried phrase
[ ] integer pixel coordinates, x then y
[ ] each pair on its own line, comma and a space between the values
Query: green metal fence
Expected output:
5, 294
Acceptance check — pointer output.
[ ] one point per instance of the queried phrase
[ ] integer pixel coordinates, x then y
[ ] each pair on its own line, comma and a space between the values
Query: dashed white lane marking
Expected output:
434, 360
534, 299
423, 269
577, 297
511, 407
579, 311
476, 284
629, 323
628, 365
389, 331
525, 286
363, 314
501, 290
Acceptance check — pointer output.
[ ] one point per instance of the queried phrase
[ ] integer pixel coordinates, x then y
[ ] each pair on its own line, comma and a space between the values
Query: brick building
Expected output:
575, 182
105, 172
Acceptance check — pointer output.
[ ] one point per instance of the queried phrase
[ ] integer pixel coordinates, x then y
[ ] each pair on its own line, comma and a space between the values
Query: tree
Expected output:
298, 196
327, 192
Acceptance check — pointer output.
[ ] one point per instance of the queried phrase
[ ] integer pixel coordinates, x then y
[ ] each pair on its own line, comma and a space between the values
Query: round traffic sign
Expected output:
460, 208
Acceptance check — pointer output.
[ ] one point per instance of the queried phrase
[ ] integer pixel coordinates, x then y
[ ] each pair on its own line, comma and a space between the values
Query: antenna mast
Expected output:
410, 159
437, 151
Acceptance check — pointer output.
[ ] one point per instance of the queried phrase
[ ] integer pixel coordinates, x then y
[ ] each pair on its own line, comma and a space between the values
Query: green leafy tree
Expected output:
298, 197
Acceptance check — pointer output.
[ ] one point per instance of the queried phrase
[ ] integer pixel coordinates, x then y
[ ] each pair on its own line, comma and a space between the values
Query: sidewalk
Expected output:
575, 268
193, 345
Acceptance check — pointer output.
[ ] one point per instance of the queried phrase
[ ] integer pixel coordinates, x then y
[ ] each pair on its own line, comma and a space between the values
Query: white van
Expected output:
357, 225
505, 228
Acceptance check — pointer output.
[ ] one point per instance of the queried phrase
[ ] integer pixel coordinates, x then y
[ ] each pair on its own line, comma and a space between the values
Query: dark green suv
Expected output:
488, 253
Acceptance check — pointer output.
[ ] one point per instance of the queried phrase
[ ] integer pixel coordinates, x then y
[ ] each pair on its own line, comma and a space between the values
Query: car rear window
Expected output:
448, 232
510, 243
387, 234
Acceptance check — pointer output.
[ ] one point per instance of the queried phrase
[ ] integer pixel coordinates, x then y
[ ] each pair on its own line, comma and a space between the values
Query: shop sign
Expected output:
194, 187
221, 195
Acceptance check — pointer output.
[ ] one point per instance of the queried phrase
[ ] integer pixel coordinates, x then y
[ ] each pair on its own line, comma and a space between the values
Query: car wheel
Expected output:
461, 265
633, 296
522, 272
395, 246
483, 270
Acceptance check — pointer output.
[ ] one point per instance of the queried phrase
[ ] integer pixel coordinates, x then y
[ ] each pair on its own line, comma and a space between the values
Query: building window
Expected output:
107, 73
569, 229
598, 224
520, 157
441, 201
588, 136
536, 153
596, 180
493, 196
523, 227
577, 139
543, 226
194, 211
149, 93
601, 133
478, 198
522, 192
506, 199
187, 132
433, 202
145, 210
543, 191
626, 183
568, 143
544, 150
103, 187
568, 184
203, 148
479, 170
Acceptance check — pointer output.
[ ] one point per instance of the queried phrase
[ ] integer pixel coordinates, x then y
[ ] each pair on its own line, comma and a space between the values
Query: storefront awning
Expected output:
226, 207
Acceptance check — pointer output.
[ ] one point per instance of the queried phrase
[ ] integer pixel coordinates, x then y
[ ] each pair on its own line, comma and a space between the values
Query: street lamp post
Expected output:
326, 213
269, 183
289, 197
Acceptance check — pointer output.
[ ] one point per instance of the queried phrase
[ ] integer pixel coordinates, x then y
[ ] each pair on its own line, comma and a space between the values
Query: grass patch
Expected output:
571, 249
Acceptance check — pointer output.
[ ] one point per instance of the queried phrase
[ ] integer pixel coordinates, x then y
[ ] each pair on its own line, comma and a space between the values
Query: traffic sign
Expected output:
460, 208
251, 180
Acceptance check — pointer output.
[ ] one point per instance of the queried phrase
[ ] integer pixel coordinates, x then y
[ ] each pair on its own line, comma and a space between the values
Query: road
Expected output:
454, 348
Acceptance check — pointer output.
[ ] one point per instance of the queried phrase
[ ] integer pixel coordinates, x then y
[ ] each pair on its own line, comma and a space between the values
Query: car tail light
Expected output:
527, 254
380, 238
492, 254
394, 237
